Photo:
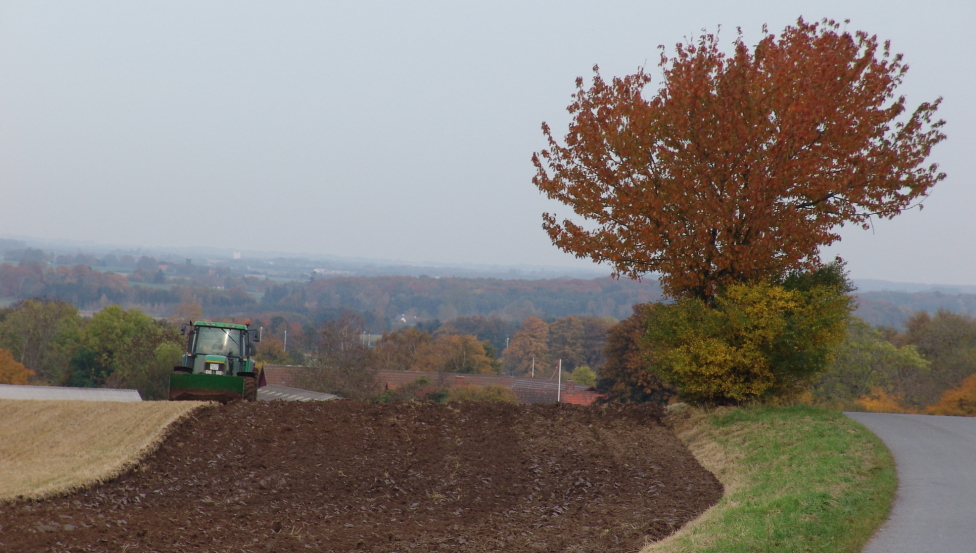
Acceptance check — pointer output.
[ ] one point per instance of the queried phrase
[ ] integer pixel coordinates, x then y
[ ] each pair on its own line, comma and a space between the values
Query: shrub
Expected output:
948, 341
758, 341
959, 401
583, 375
494, 394
12, 372
418, 390
879, 401
626, 375
867, 361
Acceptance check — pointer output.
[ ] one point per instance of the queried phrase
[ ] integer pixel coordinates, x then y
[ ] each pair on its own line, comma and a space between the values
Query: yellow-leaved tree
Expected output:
757, 341
529, 350
731, 174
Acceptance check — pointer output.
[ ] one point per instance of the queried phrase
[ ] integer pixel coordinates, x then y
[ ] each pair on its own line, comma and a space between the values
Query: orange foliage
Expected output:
187, 310
879, 401
529, 348
959, 401
12, 372
405, 349
740, 166
412, 349
462, 353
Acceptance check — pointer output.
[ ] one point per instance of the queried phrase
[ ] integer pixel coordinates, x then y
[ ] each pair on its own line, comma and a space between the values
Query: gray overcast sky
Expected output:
396, 130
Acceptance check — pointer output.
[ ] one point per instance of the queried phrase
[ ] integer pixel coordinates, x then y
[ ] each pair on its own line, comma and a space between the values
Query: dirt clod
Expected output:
346, 476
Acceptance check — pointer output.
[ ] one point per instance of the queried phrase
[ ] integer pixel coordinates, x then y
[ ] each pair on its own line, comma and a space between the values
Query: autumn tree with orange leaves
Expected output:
741, 166
959, 401
12, 372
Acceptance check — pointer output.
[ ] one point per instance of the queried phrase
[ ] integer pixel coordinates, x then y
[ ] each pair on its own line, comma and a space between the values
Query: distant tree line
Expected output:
927, 368
385, 303
930, 367
114, 348
158, 286
427, 298
48, 342
341, 360
87, 288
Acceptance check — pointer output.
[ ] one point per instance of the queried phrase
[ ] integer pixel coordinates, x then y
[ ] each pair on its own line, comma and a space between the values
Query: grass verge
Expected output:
796, 479
51, 447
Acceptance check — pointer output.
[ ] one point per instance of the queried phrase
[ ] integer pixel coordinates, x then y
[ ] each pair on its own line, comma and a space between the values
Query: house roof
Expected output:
14, 391
272, 392
283, 375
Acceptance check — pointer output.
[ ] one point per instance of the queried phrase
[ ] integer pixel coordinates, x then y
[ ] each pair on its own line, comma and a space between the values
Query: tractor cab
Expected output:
218, 363
218, 348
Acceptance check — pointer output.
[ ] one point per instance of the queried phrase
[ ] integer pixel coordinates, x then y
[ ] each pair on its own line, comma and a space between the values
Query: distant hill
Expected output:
286, 265
389, 292
891, 308
874, 285
427, 298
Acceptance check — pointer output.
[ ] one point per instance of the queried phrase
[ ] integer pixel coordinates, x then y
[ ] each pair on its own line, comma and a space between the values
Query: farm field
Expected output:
346, 476
48, 447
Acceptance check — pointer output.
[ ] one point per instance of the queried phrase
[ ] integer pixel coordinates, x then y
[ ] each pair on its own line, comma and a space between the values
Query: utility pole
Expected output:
559, 382
286, 340
511, 371
533, 367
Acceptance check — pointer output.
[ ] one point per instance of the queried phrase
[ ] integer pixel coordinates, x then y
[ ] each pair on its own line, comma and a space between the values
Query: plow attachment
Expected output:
209, 387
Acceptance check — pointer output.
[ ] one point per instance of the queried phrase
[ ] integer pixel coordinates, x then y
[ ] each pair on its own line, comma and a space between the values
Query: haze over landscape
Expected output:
271, 206
381, 130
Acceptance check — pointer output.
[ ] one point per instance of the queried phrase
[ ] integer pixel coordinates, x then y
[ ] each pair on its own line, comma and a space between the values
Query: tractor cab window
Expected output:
219, 341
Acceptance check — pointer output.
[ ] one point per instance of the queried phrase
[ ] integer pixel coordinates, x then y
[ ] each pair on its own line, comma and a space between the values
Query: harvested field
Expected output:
49, 447
346, 476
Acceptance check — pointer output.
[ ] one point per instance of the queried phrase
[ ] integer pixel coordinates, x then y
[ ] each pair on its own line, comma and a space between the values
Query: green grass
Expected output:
796, 479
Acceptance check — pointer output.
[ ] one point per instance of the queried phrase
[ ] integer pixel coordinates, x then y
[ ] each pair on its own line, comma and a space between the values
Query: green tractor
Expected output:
218, 364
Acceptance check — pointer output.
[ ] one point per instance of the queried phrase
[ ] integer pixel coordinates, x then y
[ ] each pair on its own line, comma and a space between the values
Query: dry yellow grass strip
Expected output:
692, 428
50, 447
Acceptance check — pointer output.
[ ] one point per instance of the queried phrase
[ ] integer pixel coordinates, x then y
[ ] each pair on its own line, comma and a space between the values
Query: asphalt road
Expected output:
935, 509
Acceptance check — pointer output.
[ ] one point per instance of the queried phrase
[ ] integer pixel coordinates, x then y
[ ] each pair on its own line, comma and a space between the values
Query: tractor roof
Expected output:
220, 325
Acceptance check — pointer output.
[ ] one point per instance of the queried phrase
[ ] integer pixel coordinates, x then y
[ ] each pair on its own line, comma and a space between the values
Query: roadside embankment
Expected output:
796, 479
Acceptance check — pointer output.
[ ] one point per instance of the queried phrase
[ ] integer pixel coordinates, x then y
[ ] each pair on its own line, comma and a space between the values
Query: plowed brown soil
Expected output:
346, 476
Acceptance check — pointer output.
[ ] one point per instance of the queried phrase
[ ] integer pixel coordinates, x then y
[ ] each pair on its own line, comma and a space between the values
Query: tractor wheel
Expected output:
250, 388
